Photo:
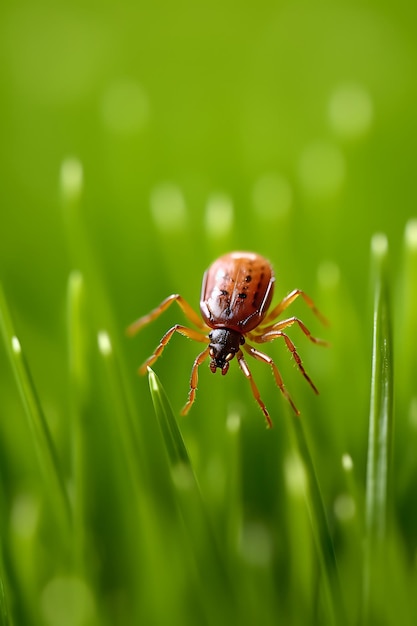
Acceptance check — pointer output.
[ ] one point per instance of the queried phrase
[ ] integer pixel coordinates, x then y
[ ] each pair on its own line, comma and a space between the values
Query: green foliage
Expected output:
140, 142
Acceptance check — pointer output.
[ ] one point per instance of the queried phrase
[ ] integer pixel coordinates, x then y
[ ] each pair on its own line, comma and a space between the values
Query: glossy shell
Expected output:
237, 291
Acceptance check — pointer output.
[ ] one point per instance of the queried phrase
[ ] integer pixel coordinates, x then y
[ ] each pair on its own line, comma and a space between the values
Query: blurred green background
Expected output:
287, 128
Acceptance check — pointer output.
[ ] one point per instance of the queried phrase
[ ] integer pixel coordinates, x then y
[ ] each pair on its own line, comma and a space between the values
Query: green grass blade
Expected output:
78, 387
174, 442
320, 527
406, 312
118, 398
380, 432
4, 611
54, 478
215, 587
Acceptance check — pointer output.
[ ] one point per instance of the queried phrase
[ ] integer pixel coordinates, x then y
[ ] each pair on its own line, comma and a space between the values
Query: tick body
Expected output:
236, 295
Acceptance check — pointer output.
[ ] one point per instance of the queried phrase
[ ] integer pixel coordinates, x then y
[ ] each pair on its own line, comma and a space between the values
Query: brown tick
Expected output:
236, 294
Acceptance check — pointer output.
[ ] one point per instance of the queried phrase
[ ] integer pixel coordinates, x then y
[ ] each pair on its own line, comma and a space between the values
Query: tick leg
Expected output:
245, 369
288, 300
264, 332
273, 334
183, 330
165, 304
194, 380
261, 356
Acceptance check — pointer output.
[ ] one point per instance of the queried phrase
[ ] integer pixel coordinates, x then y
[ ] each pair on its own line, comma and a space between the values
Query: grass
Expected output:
379, 465
139, 516
193, 137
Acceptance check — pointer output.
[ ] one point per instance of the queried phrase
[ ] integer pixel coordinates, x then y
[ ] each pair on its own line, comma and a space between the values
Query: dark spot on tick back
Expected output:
242, 295
248, 278
224, 292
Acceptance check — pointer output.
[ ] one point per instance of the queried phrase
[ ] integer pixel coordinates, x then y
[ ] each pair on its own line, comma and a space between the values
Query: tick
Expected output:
236, 294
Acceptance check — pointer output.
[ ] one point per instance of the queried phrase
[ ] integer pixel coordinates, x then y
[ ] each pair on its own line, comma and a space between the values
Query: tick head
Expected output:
224, 344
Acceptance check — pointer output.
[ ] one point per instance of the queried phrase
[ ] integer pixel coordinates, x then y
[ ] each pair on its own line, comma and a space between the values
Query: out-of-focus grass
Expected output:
139, 143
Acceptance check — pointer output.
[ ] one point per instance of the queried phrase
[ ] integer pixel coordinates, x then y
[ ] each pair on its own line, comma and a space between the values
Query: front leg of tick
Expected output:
194, 380
183, 330
186, 308
269, 333
288, 300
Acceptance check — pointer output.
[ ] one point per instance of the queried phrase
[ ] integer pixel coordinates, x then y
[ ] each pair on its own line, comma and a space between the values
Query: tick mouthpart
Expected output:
223, 346
220, 362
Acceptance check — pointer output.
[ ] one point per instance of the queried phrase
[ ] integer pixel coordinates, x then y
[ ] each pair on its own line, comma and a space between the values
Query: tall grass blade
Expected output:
216, 591
174, 442
380, 433
406, 353
78, 387
53, 475
321, 530
4, 612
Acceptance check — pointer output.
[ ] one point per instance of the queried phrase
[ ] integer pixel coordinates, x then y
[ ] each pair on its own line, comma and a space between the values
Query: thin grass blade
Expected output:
174, 442
219, 597
320, 528
4, 611
78, 386
378, 477
45, 449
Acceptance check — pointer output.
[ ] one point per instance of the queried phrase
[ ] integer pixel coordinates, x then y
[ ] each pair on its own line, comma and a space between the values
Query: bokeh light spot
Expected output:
256, 545
125, 107
219, 215
295, 475
24, 515
322, 169
71, 178
168, 207
67, 601
347, 462
328, 274
344, 507
272, 196
411, 234
350, 111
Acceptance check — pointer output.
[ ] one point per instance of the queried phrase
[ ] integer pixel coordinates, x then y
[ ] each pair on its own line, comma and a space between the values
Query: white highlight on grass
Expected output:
104, 343
75, 283
168, 207
344, 507
71, 178
255, 544
233, 422
24, 515
67, 601
350, 110
328, 274
16, 347
272, 196
322, 169
295, 475
219, 215
411, 234
125, 107
379, 245
347, 462
153, 382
